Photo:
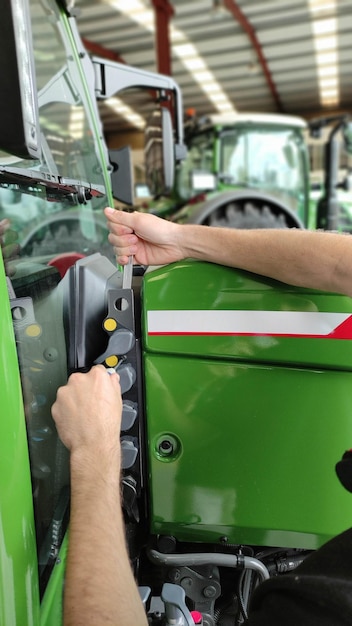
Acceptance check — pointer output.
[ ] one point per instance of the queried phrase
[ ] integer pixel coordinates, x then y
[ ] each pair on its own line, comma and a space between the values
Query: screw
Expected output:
166, 447
174, 575
209, 591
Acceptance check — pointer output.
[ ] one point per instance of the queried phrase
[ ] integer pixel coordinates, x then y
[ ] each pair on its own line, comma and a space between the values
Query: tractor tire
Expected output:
247, 215
242, 209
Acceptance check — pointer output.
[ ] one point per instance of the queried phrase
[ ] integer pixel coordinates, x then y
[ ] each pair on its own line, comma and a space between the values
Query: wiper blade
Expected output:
53, 186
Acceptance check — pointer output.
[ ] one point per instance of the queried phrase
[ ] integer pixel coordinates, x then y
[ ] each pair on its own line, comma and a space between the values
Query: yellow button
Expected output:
112, 361
110, 324
33, 330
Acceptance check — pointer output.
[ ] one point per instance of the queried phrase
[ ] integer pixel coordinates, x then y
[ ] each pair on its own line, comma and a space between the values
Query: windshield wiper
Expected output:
53, 186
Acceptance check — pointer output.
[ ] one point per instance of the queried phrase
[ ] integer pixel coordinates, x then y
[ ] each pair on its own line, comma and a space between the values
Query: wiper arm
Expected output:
54, 187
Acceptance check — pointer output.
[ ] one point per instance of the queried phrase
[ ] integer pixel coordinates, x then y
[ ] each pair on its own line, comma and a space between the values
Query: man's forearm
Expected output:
100, 588
319, 260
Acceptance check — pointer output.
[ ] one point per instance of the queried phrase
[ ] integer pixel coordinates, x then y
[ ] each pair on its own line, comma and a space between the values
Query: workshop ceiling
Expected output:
262, 54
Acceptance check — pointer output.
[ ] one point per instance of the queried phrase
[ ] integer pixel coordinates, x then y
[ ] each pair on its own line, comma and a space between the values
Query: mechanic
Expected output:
100, 588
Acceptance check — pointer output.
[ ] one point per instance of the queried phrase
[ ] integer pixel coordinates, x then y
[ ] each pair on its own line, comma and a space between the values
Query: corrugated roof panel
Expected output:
283, 30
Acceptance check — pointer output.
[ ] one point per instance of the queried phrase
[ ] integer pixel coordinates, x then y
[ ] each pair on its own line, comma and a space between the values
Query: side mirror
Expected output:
19, 119
347, 183
347, 136
167, 137
160, 152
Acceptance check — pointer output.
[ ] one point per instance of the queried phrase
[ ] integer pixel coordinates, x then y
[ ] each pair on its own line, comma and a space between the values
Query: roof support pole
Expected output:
237, 13
163, 12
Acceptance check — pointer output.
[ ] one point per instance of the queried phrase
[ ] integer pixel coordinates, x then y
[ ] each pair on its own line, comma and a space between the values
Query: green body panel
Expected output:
257, 423
19, 594
203, 287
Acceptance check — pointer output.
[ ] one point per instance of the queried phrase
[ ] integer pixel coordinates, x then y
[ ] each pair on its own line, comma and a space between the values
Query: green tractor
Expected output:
247, 170
236, 389
252, 170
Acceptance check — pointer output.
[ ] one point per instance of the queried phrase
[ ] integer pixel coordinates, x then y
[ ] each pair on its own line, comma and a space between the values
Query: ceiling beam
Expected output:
240, 17
106, 53
163, 13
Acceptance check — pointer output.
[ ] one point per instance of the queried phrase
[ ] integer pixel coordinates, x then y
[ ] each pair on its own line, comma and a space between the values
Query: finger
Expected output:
119, 229
122, 247
121, 218
122, 260
102, 369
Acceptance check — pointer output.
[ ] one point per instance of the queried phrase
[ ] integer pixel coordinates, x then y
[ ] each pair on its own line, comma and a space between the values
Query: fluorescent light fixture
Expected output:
321, 6
194, 63
329, 93
328, 58
136, 11
126, 111
204, 77
214, 88
181, 47
324, 71
219, 98
225, 107
324, 27
76, 124
325, 44
328, 83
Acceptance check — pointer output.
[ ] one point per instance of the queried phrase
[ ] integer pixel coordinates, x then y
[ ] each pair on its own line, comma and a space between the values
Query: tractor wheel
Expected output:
249, 214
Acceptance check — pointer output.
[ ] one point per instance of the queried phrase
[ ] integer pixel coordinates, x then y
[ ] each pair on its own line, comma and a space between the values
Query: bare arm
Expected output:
319, 260
99, 585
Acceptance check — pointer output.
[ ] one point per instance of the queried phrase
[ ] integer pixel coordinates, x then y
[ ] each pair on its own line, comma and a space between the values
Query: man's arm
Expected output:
99, 585
320, 260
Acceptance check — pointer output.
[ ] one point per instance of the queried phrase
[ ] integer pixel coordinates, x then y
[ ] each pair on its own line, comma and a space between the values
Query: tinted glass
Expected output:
268, 159
39, 227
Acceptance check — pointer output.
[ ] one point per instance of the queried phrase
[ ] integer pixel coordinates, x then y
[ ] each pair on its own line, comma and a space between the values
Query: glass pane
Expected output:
265, 159
43, 227
47, 225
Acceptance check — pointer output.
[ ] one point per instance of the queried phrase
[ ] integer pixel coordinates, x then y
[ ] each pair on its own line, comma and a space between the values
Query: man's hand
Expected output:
99, 583
87, 411
152, 240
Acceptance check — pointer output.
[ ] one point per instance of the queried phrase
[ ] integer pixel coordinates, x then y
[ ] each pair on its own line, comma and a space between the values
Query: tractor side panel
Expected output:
19, 589
244, 430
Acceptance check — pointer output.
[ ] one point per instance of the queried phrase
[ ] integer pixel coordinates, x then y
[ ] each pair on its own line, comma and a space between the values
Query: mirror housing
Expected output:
160, 152
19, 119
121, 175
167, 142
347, 136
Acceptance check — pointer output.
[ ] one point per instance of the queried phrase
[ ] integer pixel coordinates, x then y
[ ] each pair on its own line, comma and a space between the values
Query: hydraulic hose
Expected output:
222, 560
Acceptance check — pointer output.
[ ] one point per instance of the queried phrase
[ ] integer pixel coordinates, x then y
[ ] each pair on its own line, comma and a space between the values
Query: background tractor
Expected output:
252, 170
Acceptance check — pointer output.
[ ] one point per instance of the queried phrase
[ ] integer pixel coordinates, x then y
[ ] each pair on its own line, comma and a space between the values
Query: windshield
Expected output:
268, 158
55, 224
41, 237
